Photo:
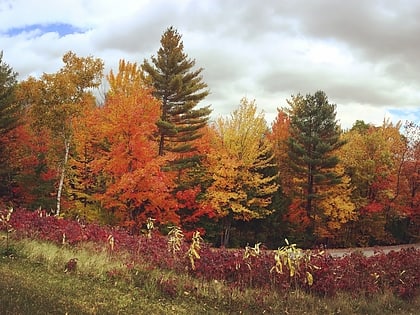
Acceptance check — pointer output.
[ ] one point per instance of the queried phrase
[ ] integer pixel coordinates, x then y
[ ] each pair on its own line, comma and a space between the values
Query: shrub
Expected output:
288, 268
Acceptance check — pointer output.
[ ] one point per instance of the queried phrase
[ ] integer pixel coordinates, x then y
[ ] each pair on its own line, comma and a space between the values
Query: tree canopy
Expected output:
149, 151
240, 189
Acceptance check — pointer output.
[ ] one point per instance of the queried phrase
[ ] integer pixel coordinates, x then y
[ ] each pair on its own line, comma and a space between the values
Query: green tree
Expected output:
314, 139
8, 109
9, 113
180, 89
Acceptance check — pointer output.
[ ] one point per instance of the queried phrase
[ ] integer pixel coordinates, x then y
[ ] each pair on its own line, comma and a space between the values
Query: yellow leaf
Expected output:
309, 278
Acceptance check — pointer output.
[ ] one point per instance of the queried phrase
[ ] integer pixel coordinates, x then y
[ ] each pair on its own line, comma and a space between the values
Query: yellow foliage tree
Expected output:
127, 81
241, 152
337, 207
55, 100
374, 158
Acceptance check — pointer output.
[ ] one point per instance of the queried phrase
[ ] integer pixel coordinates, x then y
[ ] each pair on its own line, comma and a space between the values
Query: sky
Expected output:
363, 54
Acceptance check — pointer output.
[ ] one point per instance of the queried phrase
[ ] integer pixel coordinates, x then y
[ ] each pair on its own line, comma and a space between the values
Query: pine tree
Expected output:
180, 89
8, 109
9, 112
314, 139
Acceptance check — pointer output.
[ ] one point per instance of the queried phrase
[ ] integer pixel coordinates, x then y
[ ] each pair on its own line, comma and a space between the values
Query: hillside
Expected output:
50, 265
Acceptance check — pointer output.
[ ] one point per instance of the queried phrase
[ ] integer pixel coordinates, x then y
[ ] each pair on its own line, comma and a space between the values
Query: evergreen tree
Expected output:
9, 112
180, 89
314, 138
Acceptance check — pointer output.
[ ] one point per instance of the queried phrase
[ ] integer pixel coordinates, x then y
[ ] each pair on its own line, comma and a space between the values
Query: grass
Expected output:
33, 281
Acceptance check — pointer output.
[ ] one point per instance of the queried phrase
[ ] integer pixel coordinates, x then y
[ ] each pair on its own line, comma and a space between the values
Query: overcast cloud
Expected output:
363, 54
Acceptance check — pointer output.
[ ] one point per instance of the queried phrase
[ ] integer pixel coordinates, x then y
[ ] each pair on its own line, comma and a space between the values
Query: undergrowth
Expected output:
35, 281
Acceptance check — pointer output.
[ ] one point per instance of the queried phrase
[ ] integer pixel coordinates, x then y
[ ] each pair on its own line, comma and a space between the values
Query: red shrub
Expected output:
354, 273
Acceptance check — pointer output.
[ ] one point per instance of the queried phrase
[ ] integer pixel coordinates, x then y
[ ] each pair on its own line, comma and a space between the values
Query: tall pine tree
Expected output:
9, 112
314, 139
180, 89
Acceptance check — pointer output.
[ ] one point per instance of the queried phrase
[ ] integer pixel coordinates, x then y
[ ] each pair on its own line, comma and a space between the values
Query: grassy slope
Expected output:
34, 283
30, 288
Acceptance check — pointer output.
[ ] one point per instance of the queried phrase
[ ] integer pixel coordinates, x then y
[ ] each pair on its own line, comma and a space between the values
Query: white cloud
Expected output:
364, 55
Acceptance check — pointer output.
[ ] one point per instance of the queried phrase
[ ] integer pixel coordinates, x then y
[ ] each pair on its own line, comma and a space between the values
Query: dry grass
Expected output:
34, 282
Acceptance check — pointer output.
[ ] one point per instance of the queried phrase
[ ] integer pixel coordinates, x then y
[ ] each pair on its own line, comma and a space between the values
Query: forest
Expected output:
146, 152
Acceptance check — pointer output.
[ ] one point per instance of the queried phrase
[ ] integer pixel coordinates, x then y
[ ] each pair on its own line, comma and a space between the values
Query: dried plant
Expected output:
5, 221
175, 238
194, 250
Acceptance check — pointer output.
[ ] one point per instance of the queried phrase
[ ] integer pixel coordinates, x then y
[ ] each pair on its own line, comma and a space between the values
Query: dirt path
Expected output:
369, 251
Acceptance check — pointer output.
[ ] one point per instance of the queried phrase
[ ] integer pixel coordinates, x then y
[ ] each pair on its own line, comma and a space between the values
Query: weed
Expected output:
175, 239
194, 250
5, 217
34, 283
288, 270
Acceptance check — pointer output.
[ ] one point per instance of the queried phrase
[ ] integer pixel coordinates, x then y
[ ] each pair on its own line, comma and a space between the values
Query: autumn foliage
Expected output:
113, 159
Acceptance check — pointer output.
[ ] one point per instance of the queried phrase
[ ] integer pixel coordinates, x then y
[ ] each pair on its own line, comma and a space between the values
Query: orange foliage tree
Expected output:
278, 137
135, 186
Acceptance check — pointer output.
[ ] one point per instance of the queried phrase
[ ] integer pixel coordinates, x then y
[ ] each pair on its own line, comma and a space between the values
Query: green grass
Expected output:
33, 281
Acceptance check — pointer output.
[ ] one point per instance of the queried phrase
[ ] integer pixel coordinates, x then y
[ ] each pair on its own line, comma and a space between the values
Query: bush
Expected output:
250, 268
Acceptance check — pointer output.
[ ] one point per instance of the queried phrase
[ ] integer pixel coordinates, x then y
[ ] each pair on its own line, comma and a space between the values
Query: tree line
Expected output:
150, 150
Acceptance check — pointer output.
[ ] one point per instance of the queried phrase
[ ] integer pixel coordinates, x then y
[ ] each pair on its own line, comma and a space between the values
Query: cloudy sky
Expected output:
364, 54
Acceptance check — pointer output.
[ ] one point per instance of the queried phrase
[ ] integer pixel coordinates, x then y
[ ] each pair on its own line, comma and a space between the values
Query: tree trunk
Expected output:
161, 145
224, 237
62, 176
309, 197
162, 132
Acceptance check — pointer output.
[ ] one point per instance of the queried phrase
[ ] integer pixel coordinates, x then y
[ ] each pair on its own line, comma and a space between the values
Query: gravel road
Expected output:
369, 251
